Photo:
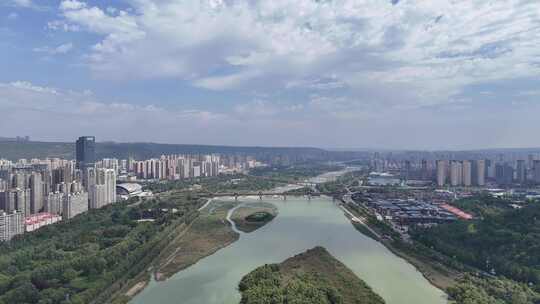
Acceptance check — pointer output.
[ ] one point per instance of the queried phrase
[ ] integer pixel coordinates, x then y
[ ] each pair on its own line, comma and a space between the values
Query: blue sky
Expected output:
407, 74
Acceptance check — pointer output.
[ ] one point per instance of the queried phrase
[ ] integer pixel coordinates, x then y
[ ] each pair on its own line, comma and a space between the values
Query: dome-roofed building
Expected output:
127, 190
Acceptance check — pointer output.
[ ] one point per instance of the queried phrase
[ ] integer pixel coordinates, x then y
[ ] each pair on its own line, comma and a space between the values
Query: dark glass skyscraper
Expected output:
85, 151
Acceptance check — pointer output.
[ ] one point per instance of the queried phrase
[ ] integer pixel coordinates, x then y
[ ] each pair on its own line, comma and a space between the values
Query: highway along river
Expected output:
300, 225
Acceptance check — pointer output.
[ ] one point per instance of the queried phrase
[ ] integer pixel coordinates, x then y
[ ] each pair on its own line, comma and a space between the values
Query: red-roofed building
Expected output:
457, 212
39, 220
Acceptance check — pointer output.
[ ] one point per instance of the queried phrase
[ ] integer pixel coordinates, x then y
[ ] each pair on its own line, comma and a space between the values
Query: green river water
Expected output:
300, 225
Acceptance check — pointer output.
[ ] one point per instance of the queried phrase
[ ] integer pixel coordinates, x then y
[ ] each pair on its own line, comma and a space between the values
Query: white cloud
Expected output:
29, 4
256, 108
328, 83
23, 3
25, 85
58, 114
13, 16
118, 30
61, 49
72, 5
324, 69
226, 82
59, 25
432, 49
47, 113
532, 93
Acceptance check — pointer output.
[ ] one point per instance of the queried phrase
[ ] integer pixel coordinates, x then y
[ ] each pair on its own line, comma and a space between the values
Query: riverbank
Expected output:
207, 234
436, 273
314, 276
186, 244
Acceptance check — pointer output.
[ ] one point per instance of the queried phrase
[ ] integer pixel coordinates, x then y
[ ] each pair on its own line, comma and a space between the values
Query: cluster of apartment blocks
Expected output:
174, 167
50, 187
476, 172
37, 189
69, 187
461, 173
43, 191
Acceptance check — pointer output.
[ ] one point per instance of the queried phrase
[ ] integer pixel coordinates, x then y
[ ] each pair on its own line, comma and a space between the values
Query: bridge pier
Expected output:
260, 195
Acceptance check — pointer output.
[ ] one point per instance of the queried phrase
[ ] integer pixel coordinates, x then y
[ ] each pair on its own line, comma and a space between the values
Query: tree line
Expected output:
79, 260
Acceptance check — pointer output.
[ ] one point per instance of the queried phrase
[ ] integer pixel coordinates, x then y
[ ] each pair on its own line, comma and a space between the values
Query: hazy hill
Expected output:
33, 149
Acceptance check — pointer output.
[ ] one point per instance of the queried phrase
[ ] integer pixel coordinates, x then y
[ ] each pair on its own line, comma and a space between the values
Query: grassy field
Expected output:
310, 277
253, 216
207, 234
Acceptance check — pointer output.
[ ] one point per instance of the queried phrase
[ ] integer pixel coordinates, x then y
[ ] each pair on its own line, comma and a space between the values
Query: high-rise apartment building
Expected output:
456, 173
36, 193
19, 180
490, 169
467, 173
504, 174
424, 169
54, 202
11, 224
22, 201
89, 176
442, 172
103, 191
536, 171
62, 174
110, 186
97, 194
480, 178
7, 201
521, 171
74, 204
406, 169
530, 161
196, 169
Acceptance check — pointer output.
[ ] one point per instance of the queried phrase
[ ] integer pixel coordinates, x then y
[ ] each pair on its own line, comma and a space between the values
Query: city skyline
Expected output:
349, 74
41, 192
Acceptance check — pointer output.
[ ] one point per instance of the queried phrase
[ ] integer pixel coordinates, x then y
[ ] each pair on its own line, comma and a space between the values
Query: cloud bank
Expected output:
351, 73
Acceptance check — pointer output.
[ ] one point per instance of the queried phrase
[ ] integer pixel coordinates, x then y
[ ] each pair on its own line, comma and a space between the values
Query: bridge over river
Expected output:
262, 194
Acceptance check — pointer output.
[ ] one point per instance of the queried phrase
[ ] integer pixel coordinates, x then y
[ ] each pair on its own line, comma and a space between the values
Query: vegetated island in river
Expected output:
253, 216
314, 277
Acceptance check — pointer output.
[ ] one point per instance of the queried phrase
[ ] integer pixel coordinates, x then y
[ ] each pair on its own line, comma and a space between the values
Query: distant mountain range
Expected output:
14, 150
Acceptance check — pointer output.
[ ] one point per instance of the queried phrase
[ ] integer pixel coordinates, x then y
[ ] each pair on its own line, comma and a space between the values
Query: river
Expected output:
300, 225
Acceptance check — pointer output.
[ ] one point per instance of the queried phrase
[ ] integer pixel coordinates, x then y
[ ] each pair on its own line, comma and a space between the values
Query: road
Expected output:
347, 199
206, 204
